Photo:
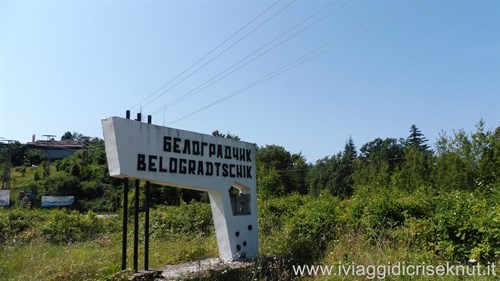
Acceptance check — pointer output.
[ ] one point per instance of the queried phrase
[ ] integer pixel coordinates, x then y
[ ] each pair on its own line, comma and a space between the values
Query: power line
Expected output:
223, 51
312, 54
214, 79
293, 63
209, 53
211, 81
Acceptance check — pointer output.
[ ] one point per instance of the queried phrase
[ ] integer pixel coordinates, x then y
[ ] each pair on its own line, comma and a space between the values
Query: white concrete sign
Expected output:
184, 159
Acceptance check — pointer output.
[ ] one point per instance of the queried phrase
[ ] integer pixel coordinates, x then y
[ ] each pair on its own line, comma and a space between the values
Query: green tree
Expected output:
33, 156
468, 160
216, 133
350, 152
270, 184
36, 176
67, 136
96, 151
486, 148
415, 171
417, 140
334, 174
15, 152
389, 150
75, 136
62, 184
299, 173
345, 181
290, 169
322, 174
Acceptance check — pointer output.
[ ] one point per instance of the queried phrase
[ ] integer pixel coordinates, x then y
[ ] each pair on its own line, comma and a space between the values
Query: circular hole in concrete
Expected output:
237, 233
244, 243
250, 227
238, 247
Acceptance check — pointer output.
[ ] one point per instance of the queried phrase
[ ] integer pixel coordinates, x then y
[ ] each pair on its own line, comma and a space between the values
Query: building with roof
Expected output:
52, 149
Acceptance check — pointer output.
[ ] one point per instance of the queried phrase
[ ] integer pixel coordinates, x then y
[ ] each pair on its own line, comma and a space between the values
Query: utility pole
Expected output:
6, 169
50, 138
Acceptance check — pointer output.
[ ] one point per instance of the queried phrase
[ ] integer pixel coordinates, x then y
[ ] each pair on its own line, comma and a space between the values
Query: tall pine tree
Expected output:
417, 140
350, 152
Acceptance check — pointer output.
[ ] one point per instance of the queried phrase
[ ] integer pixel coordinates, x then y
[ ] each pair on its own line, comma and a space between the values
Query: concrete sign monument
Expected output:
224, 168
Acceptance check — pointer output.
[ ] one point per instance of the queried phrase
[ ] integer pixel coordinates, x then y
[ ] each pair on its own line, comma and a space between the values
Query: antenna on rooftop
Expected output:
49, 137
46, 171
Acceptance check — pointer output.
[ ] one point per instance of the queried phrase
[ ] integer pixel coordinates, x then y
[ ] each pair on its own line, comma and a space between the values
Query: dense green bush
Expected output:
300, 225
62, 184
457, 225
273, 213
55, 226
70, 226
371, 209
193, 219
309, 230
462, 226
13, 222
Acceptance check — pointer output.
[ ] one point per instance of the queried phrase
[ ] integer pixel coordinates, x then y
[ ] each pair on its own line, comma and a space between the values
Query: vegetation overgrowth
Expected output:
394, 200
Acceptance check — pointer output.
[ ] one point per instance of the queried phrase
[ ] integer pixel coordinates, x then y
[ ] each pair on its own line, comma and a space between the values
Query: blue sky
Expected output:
65, 65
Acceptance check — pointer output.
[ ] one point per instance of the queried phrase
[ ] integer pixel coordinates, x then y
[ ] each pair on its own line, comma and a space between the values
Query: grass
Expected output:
39, 260
352, 249
30, 256
182, 249
36, 259
18, 179
93, 260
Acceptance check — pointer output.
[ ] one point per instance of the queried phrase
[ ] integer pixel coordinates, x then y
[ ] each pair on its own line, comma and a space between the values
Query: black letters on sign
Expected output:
182, 166
152, 163
176, 145
167, 144
172, 165
141, 162
236, 158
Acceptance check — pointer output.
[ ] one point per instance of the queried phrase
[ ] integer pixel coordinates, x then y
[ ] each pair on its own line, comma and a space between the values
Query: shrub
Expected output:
70, 226
462, 226
194, 219
274, 212
311, 228
61, 184
12, 223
